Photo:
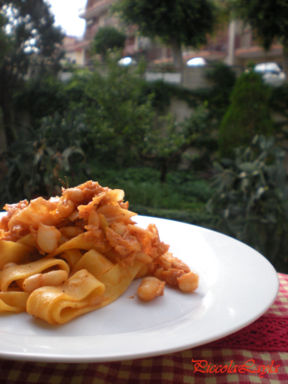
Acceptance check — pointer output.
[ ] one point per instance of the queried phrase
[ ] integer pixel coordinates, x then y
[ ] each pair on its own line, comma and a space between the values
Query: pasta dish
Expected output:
71, 254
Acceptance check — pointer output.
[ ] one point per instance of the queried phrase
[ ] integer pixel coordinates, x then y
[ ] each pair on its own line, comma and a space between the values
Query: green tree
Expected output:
107, 39
175, 22
39, 161
269, 20
4, 40
33, 46
4, 49
247, 115
117, 115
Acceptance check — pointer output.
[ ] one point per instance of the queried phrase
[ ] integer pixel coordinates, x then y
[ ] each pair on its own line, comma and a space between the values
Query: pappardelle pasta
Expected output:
71, 254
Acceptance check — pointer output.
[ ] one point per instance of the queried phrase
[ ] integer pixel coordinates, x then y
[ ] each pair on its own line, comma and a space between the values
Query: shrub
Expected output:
222, 79
41, 97
247, 115
166, 142
251, 199
279, 105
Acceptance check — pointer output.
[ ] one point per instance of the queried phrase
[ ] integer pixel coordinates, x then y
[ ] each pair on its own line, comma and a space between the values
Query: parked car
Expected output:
271, 73
126, 61
196, 62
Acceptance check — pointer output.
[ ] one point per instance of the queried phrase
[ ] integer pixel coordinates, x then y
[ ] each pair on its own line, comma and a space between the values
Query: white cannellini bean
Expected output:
74, 194
188, 282
150, 288
52, 278
65, 208
48, 238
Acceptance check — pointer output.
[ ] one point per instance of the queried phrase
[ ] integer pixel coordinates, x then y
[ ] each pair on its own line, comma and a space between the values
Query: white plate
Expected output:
237, 285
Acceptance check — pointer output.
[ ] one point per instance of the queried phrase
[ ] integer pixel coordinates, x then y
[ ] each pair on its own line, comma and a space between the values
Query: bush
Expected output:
41, 97
279, 105
166, 142
222, 79
247, 115
251, 199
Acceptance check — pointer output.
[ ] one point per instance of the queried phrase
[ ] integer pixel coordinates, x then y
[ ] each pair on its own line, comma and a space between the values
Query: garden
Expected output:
223, 167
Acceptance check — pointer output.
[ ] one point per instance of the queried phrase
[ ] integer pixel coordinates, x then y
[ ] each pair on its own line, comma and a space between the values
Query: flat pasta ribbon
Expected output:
83, 241
13, 301
80, 294
20, 272
13, 252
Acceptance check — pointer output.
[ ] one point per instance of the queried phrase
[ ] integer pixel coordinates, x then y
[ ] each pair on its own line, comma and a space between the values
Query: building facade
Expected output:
74, 50
234, 43
97, 14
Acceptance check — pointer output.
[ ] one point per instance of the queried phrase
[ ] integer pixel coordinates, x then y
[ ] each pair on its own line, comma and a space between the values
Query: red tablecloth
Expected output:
256, 354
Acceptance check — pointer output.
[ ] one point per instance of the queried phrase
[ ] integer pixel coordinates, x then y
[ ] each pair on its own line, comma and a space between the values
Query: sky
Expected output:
66, 14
